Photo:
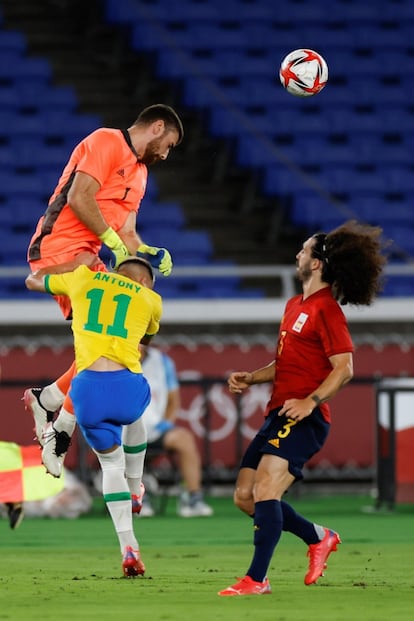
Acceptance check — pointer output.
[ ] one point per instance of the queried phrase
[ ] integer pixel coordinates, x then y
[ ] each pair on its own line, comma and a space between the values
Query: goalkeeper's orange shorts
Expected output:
91, 259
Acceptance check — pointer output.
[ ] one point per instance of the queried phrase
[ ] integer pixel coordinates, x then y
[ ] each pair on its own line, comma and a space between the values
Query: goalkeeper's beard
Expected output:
151, 154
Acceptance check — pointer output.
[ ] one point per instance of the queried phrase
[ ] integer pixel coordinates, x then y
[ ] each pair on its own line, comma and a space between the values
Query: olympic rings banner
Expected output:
222, 423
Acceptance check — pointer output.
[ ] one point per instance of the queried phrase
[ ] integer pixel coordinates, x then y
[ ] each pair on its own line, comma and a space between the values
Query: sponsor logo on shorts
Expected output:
275, 442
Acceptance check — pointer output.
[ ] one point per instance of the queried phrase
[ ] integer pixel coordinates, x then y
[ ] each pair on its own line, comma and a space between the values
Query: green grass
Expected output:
70, 569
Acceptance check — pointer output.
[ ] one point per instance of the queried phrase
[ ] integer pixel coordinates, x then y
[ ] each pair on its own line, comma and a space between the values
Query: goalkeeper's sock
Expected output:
65, 422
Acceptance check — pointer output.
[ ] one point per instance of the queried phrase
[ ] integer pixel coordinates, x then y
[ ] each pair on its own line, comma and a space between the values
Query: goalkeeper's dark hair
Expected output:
353, 259
164, 113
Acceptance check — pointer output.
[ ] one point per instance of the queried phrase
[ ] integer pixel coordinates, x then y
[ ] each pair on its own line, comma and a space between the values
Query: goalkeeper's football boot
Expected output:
15, 513
137, 501
132, 564
248, 586
318, 555
41, 416
55, 446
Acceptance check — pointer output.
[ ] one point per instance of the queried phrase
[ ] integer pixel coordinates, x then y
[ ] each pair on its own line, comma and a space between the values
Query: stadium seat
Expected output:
398, 286
12, 40
160, 214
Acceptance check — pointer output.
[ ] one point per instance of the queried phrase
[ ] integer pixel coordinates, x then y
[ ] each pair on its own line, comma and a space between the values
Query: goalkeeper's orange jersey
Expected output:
111, 314
108, 156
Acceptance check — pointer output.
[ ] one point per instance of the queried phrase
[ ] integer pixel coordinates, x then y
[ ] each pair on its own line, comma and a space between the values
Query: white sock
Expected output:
320, 531
51, 397
134, 440
65, 421
117, 496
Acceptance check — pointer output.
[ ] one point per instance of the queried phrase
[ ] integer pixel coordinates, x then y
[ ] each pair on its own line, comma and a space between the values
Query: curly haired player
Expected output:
314, 359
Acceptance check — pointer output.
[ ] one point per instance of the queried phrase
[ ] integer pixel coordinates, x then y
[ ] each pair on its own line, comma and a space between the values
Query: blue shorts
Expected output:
294, 441
104, 401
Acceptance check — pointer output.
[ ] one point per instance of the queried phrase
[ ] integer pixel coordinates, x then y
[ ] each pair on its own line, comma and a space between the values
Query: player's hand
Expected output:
157, 257
112, 240
164, 426
239, 381
297, 409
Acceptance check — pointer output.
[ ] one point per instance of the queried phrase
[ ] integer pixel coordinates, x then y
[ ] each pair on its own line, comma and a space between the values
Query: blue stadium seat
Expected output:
39, 96
403, 237
376, 209
399, 178
398, 286
160, 214
313, 211
15, 67
24, 212
13, 249
379, 35
14, 184
12, 40
32, 152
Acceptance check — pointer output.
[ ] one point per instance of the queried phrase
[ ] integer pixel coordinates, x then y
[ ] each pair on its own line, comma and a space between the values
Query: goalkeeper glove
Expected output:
111, 239
158, 257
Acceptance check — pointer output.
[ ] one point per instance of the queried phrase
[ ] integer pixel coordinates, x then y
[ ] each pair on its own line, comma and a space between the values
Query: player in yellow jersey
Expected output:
96, 201
113, 312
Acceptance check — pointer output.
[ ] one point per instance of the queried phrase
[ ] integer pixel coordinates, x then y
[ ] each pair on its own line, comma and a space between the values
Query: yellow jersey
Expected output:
111, 314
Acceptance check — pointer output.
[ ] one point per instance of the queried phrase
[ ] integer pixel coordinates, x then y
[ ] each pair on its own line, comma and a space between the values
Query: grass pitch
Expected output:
70, 569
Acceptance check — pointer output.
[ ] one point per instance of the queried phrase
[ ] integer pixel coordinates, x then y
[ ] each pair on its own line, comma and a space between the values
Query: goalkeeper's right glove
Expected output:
111, 239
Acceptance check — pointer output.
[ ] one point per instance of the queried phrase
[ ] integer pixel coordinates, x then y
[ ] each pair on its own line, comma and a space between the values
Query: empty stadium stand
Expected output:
260, 167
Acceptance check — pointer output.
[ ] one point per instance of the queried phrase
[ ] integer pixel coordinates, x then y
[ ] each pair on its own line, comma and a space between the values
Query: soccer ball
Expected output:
303, 72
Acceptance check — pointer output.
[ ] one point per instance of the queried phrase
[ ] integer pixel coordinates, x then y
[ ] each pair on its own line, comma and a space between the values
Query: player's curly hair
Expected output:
353, 259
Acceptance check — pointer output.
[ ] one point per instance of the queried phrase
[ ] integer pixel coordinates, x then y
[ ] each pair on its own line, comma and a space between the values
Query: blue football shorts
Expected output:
104, 401
294, 441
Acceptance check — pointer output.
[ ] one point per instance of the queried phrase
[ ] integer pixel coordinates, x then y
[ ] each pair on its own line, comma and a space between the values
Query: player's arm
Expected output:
342, 373
36, 282
82, 201
129, 235
83, 258
173, 405
240, 380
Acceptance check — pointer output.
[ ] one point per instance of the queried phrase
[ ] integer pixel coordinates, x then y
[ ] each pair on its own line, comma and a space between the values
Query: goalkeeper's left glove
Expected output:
158, 257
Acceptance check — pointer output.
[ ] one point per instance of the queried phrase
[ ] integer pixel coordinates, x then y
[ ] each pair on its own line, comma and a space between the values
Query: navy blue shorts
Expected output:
104, 401
294, 441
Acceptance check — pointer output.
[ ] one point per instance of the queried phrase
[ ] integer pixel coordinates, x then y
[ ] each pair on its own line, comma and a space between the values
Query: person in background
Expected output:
112, 314
15, 513
313, 361
163, 431
95, 202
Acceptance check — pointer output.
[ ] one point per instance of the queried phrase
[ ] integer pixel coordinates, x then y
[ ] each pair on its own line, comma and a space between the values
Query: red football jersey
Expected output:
311, 331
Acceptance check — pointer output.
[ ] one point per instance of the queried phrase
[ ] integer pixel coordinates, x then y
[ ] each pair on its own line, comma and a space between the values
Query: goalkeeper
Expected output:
96, 202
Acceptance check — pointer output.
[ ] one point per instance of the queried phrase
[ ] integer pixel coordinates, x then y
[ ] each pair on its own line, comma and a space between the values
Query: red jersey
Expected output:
108, 156
311, 331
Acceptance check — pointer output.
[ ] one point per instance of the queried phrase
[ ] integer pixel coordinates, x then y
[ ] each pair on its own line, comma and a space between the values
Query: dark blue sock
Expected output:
298, 525
267, 531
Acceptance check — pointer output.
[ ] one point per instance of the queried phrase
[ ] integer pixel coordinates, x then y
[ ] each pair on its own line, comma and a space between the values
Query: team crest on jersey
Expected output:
300, 322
